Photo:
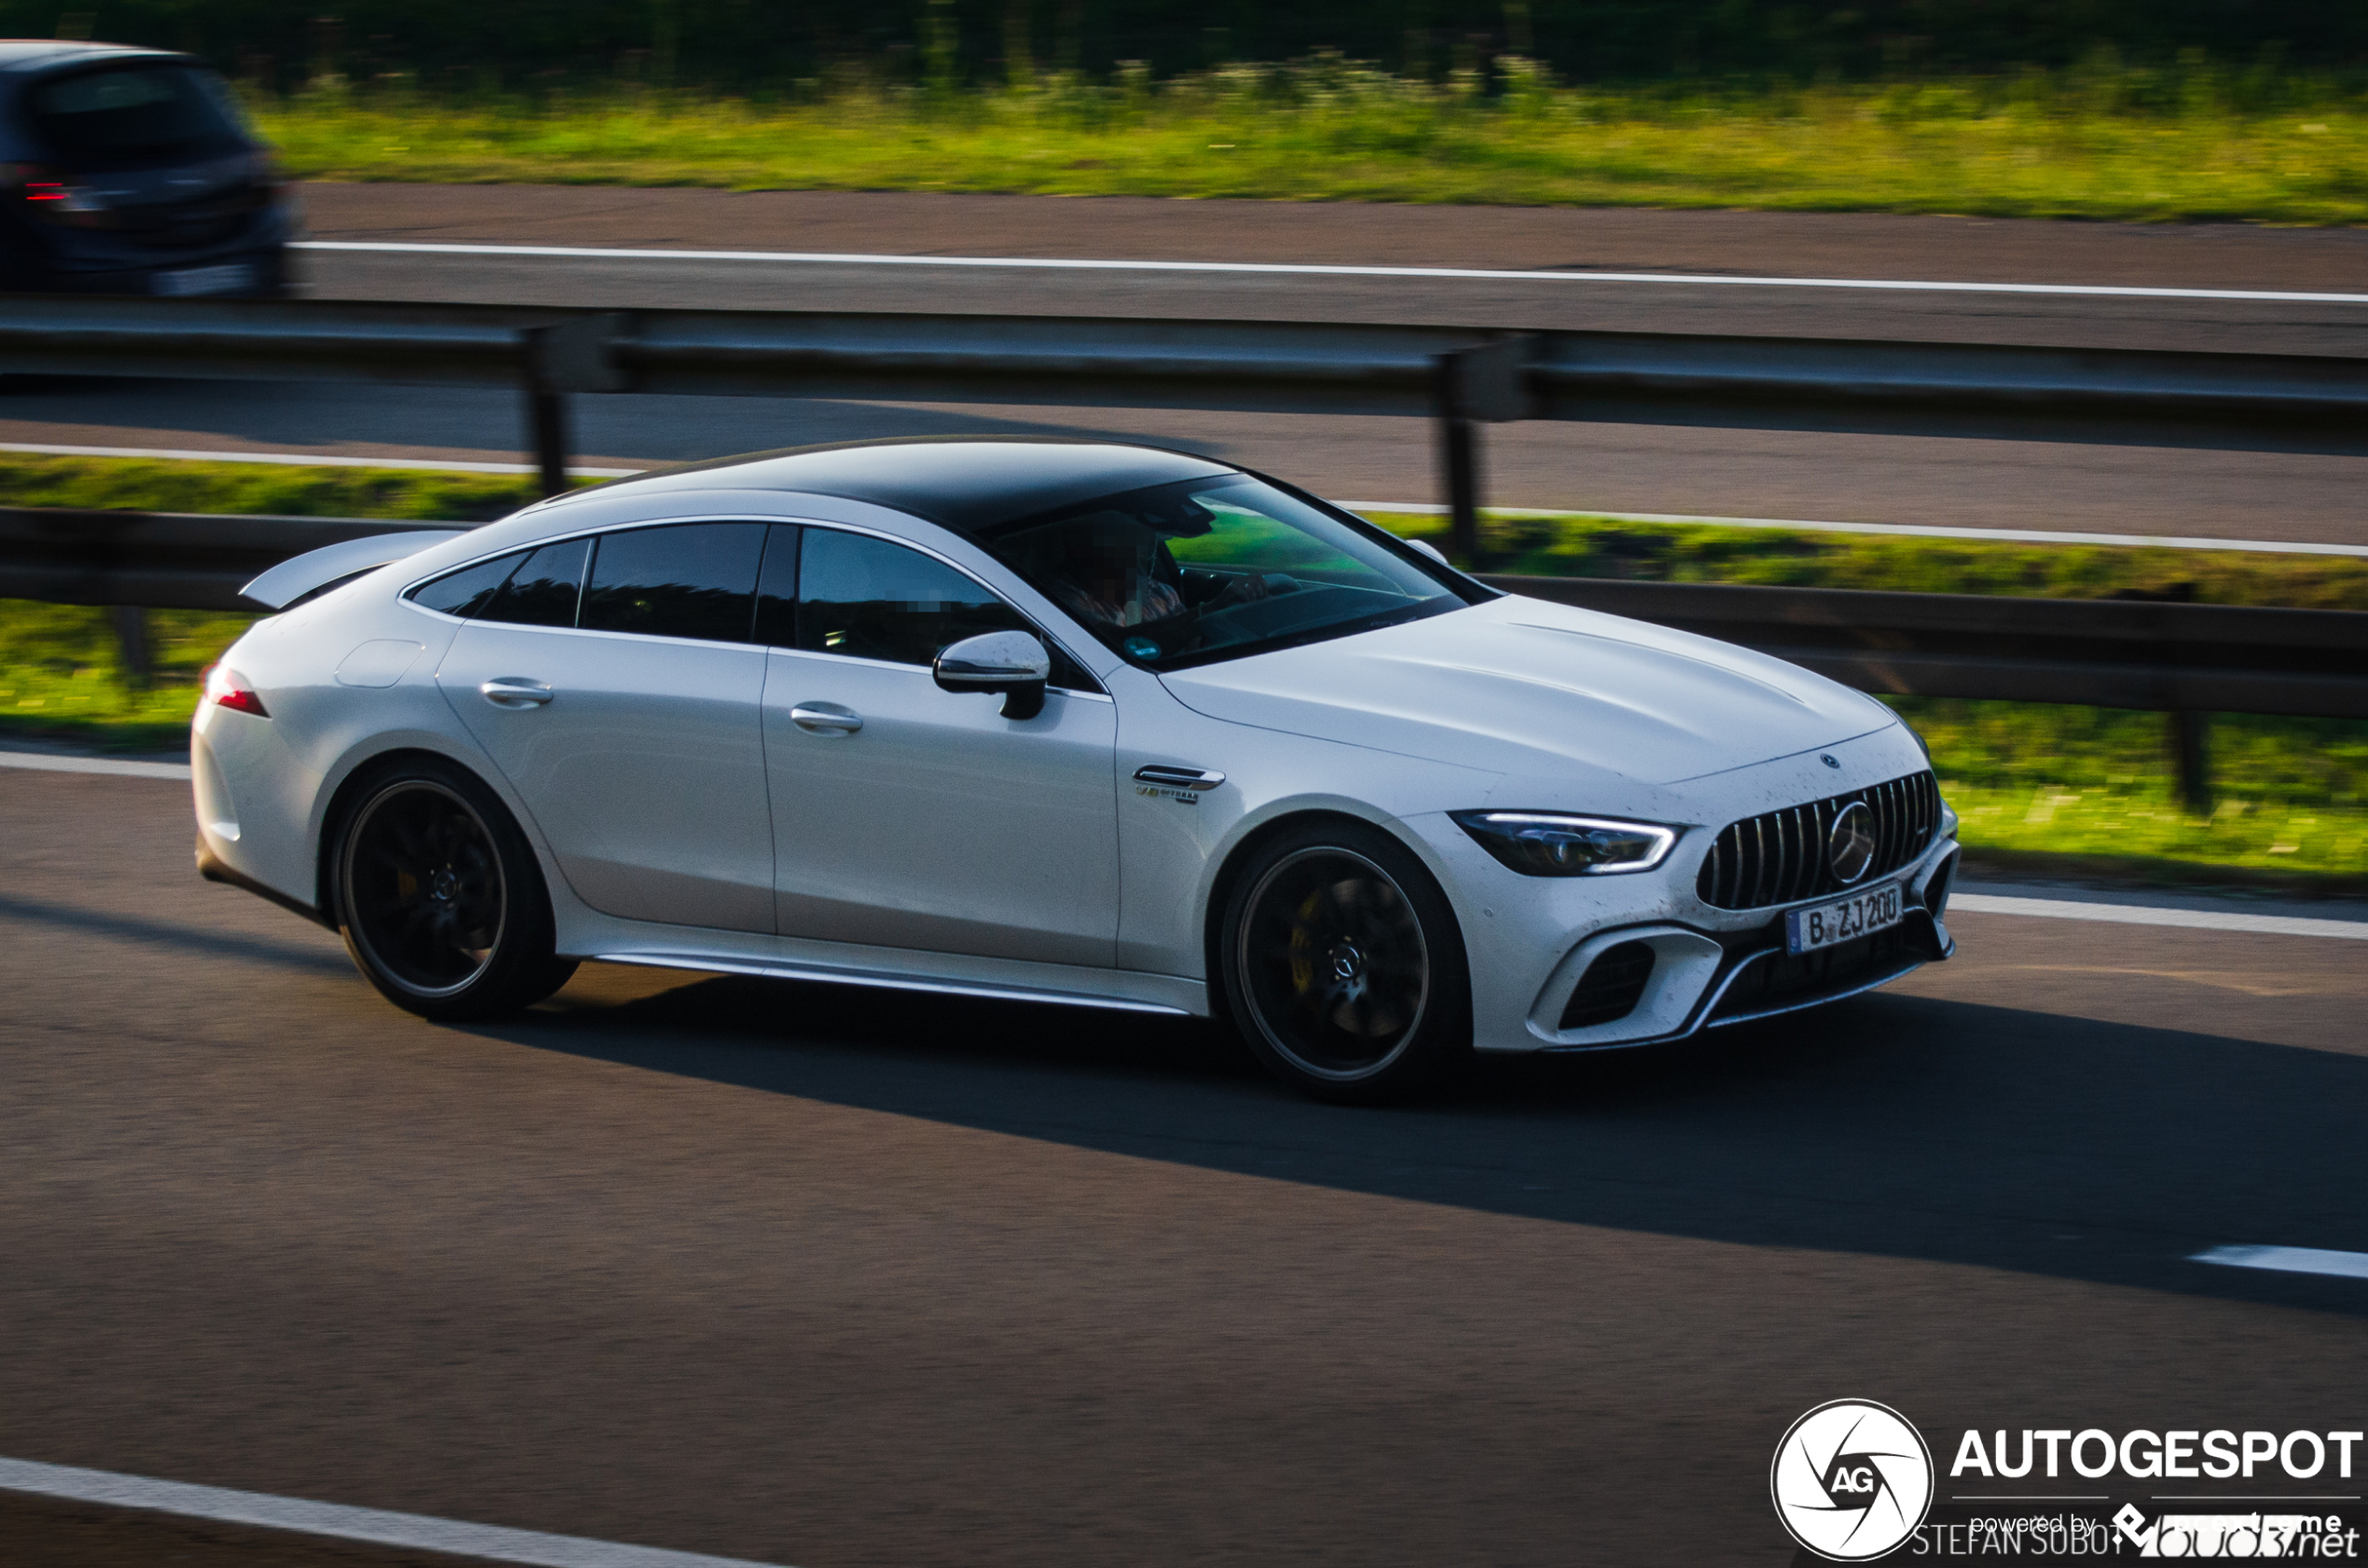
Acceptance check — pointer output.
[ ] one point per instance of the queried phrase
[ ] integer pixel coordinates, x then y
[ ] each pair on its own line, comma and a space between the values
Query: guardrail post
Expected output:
570, 356
132, 637
1459, 466
1486, 381
546, 414
2191, 749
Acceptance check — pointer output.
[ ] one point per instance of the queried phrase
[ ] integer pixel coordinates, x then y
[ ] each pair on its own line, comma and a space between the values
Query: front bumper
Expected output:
1710, 967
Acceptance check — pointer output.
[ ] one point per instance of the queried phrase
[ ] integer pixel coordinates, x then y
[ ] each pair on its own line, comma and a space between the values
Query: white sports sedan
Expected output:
1062, 721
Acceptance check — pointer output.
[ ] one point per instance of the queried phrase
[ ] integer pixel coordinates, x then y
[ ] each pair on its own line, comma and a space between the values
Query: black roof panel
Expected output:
970, 484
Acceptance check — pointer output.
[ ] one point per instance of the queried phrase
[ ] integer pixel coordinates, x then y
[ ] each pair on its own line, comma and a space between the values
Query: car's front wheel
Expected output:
439, 899
1344, 968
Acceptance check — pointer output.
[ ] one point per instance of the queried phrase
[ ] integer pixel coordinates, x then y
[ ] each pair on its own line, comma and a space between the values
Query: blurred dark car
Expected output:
130, 171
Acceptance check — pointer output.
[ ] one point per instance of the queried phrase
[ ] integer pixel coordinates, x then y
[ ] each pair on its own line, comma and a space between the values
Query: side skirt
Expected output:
777, 971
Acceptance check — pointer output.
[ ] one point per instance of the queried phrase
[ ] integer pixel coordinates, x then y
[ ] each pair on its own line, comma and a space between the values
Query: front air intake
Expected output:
1779, 857
1612, 986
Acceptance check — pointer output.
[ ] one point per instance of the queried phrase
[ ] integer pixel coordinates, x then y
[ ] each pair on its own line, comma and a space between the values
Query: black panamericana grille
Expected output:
1779, 857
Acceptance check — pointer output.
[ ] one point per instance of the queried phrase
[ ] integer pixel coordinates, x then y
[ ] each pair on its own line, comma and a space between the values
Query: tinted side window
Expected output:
682, 580
468, 590
876, 600
541, 592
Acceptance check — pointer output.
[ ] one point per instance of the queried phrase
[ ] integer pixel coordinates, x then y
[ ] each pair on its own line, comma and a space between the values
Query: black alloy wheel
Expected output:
1344, 967
440, 901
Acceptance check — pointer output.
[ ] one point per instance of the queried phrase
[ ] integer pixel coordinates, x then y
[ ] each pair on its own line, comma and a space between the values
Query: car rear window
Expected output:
543, 591
127, 115
695, 580
465, 592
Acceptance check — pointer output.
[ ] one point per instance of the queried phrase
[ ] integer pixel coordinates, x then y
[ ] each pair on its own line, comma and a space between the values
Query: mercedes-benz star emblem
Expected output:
1852, 1481
1850, 848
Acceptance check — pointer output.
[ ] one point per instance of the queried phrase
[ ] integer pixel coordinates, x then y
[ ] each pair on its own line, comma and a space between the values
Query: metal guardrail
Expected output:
161, 560
2187, 659
1460, 376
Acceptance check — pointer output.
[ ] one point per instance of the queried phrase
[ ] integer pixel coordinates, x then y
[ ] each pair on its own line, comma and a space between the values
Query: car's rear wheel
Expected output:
439, 897
1344, 968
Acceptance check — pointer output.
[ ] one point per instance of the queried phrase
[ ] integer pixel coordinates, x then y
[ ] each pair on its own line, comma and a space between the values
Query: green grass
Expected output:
62, 674
60, 668
2067, 787
1591, 545
266, 490
2068, 784
2100, 143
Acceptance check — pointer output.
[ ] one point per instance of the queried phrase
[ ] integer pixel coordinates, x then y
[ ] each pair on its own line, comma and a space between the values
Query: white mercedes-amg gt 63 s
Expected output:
1061, 721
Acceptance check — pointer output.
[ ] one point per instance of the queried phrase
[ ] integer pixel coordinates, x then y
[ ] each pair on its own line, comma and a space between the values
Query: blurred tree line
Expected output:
774, 48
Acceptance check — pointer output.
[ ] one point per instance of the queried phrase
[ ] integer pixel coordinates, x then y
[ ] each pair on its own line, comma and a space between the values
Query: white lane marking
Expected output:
299, 459
1920, 531
1413, 508
2144, 915
2289, 1261
417, 1532
51, 762
832, 259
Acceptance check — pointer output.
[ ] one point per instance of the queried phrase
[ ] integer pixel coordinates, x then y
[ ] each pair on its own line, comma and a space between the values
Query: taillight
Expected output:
60, 199
37, 183
226, 687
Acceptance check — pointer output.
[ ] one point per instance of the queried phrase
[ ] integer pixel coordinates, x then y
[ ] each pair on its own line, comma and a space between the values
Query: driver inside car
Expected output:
1112, 571
1109, 573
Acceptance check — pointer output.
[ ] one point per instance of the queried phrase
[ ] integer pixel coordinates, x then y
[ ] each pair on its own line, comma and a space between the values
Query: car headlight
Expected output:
1555, 844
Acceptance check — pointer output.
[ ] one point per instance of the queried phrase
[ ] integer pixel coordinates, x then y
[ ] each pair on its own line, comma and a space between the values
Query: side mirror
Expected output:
1013, 663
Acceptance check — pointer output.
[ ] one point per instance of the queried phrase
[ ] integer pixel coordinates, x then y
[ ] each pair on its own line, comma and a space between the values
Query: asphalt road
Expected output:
1570, 241
832, 1278
2296, 495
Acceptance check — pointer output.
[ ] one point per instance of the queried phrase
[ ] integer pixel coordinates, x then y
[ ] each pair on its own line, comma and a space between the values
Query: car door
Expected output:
905, 816
615, 683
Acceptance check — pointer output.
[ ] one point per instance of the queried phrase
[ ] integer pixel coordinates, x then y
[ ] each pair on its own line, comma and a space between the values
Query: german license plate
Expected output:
228, 278
1824, 925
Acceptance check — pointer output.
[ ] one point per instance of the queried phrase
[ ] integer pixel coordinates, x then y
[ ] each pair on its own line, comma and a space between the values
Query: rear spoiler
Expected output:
317, 570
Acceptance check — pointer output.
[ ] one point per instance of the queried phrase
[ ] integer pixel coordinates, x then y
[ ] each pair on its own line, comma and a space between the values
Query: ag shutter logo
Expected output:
1852, 1481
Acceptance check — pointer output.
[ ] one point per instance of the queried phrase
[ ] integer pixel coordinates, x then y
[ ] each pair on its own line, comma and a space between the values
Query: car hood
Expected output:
1520, 686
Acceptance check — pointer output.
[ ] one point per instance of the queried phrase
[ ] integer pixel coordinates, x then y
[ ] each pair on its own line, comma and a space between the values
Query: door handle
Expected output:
515, 691
825, 717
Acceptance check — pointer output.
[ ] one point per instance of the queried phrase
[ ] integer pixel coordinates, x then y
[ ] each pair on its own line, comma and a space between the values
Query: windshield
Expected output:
133, 113
1206, 570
